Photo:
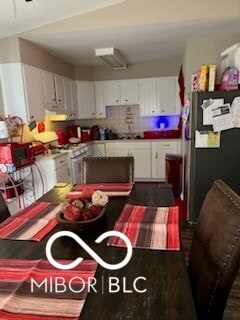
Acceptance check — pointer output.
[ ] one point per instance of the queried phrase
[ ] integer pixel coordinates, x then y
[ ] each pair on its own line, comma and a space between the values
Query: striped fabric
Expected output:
111, 189
20, 300
31, 223
148, 227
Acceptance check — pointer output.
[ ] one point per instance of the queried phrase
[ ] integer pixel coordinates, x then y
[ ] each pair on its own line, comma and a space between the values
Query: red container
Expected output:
174, 172
86, 135
153, 134
172, 134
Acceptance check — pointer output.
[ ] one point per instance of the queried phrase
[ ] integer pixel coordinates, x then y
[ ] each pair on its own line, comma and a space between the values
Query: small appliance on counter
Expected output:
72, 131
95, 133
86, 135
16, 154
62, 137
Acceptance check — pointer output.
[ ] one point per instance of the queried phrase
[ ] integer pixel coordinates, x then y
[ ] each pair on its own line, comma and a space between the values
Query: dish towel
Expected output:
148, 227
111, 189
21, 299
31, 223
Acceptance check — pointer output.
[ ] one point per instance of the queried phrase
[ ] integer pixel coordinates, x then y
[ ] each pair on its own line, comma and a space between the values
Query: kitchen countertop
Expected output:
51, 156
131, 140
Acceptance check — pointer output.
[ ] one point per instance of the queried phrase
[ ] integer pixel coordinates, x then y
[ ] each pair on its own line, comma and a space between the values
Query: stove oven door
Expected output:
76, 168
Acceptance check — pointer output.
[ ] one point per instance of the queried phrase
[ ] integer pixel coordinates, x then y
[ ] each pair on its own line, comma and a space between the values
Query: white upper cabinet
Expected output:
22, 91
74, 107
86, 99
112, 94
129, 92
54, 96
59, 90
49, 89
118, 93
33, 86
159, 96
99, 99
147, 91
168, 101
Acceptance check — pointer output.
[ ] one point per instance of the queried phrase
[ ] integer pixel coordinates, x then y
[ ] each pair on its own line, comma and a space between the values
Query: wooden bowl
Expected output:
81, 226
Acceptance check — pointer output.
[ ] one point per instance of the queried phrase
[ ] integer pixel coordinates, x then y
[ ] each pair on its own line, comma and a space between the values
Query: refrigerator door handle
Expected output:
156, 155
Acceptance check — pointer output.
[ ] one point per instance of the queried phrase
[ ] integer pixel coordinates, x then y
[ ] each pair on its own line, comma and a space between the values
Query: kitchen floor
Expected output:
232, 311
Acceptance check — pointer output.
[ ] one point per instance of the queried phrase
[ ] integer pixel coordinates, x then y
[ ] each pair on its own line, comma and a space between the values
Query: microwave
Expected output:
16, 154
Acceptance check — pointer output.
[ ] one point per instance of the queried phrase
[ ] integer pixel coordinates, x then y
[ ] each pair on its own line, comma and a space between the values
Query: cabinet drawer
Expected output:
166, 144
61, 161
128, 145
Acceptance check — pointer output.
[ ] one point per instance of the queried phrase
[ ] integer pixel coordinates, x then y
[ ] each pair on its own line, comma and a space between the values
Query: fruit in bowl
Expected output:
83, 214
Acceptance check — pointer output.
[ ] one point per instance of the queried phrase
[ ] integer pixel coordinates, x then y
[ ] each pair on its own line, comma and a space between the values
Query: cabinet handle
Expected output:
166, 145
126, 100
156, 155
163, 110
62, 161
153, 111
117, 101
59, 100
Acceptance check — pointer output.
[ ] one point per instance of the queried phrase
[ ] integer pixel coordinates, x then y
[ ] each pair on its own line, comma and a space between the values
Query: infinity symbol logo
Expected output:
89, 250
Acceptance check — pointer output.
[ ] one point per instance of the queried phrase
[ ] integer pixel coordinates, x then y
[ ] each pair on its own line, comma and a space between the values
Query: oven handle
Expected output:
87, 154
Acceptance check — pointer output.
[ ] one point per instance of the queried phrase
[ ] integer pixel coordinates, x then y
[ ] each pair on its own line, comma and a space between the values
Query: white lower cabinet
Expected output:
98, 150
54, 170
159, 151
141, 151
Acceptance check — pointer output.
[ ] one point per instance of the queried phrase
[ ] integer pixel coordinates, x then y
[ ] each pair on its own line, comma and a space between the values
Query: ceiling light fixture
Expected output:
112, 57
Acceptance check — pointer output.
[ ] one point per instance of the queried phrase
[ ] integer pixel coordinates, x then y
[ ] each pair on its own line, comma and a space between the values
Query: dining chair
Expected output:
215, 253
107, 170
4, 213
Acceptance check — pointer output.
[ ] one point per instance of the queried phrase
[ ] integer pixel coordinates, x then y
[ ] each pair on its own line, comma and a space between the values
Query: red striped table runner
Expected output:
31, 223
148, 227
19, 300
111, 189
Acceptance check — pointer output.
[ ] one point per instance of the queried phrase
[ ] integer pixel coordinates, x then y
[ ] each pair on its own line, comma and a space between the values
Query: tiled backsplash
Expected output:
117, 120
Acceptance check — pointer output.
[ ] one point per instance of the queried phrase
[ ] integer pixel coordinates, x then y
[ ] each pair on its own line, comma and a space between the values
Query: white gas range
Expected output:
75, 155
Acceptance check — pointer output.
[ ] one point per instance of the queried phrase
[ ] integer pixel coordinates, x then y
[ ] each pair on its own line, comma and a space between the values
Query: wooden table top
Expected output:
168, 294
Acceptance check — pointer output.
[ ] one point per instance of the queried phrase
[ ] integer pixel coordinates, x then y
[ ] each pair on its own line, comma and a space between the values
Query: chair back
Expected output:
107, 170
4, 213
215, 253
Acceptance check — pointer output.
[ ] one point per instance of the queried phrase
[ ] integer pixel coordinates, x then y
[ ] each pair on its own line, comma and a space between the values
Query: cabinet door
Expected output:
159, 151
74, 99
117, 152
99, 99
86, 99
147, 97
129, 92
167, 93
68, 96
112, 93
49, 89
59, 89
142, 163
98, 150
62, 175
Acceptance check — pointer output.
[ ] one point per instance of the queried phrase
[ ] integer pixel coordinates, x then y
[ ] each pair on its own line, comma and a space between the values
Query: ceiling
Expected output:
137, 43
75, 28
40, 12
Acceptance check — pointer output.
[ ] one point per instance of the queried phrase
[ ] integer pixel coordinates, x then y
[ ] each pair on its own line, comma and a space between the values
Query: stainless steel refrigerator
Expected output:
205, 165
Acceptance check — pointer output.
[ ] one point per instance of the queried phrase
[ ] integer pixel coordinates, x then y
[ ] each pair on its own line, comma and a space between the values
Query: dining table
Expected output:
165, 292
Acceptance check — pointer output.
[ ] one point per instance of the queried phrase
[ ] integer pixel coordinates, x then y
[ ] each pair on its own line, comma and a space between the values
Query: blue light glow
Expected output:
170, 122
